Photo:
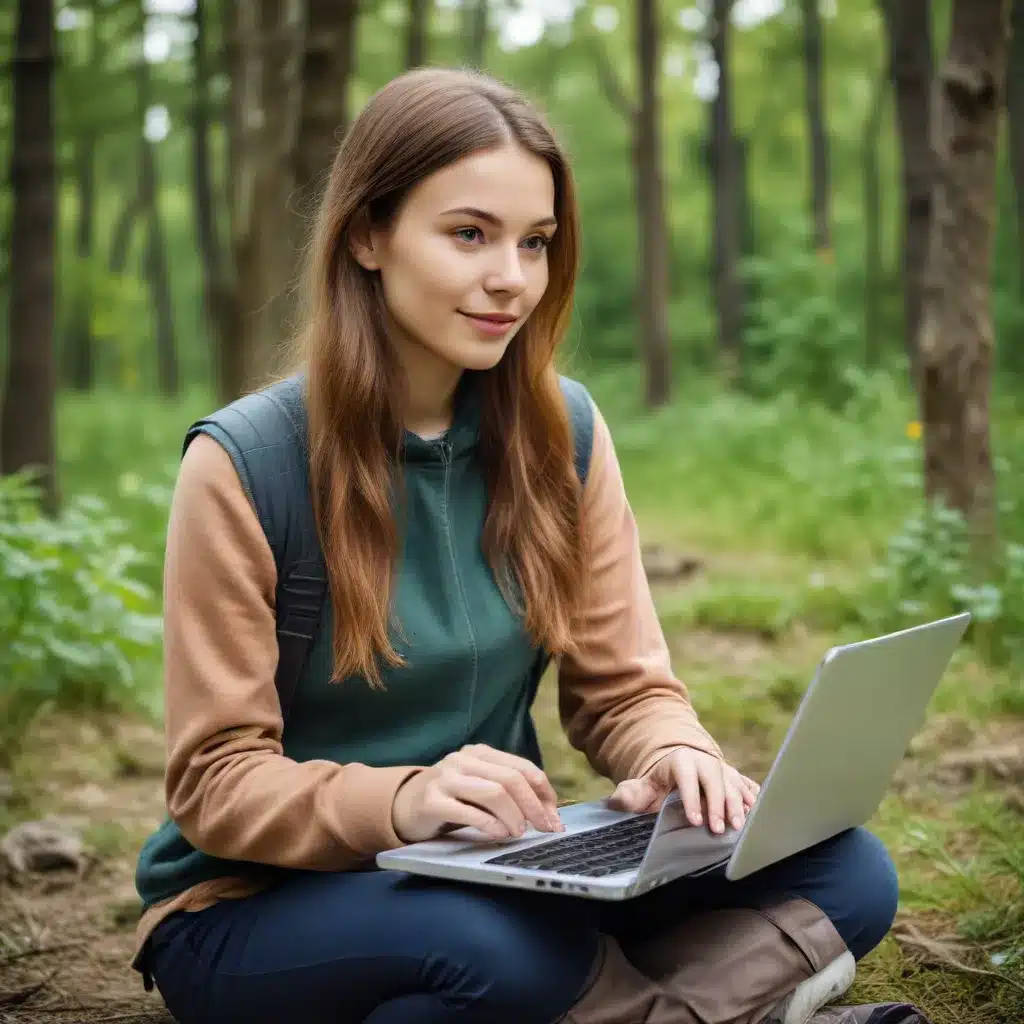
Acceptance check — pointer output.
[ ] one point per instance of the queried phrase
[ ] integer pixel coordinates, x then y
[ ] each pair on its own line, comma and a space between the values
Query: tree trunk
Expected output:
27, 419
475, 32
1015, 127
909, 29
155, 258
327, 67
79, 348
158, 275
265, 64
816, 128
218, 286
652, 287
416, 33
121, 236
873, 226
79, 354
726, 201
957, 332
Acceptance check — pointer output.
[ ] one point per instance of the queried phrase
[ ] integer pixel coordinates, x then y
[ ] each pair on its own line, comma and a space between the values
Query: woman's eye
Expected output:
540, 243
468, 234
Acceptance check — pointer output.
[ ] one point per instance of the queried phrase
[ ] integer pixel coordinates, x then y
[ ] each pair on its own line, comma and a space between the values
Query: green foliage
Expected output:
801, 339
75, 622
928, 571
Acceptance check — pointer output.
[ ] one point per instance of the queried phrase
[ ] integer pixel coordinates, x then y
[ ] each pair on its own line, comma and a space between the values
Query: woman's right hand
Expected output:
498, 793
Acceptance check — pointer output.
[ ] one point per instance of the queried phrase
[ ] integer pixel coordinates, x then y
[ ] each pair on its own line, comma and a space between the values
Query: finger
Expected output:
636, 795
734, 808
488, 796
684, 770
750, 790
517, 786
460, 814
533, 775
709, 771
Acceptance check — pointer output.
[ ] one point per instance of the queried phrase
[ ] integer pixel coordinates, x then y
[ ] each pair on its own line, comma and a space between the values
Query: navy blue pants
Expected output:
384, 947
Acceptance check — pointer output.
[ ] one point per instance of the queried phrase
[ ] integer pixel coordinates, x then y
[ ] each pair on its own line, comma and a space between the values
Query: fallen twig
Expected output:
910, 937
38, 951
17, 996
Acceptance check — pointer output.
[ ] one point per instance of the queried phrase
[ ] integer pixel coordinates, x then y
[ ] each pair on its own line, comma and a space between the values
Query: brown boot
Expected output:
618, 993
736, 965
721, 967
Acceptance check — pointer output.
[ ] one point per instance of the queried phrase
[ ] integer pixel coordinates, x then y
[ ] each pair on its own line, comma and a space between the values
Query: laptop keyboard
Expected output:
595, 853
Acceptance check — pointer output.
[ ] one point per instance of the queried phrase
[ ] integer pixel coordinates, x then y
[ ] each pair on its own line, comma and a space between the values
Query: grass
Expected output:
789, 507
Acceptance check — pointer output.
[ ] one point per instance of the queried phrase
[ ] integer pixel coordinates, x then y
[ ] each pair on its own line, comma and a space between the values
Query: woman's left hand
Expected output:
727, 795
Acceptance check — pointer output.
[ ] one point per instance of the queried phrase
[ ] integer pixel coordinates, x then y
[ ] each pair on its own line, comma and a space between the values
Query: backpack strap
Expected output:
266, 435
581, 419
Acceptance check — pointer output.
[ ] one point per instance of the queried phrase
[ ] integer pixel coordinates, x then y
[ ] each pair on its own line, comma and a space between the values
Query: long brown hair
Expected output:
419, 123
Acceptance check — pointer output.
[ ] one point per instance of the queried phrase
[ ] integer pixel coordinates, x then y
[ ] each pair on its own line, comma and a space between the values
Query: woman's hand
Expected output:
498, 793
726, 794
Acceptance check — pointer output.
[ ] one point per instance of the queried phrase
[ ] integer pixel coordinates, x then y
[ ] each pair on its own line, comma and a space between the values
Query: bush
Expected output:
76, 625
928, 571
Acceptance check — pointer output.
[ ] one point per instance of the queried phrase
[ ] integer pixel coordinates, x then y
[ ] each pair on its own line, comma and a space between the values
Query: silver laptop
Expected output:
846, 740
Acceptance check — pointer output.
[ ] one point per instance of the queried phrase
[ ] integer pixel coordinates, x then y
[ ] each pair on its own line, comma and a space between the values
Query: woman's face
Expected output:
464, 262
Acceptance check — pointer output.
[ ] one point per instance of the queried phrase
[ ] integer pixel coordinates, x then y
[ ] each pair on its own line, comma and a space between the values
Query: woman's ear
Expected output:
361, 242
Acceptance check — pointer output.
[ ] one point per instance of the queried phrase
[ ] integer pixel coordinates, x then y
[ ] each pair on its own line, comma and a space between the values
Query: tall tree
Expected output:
416, 33
27, 419
908, 26
643, 120
816, 127
474, 31
218, 283
328, 63
79, 349
264, 57
653, 264
155, 253
956, 333
873, 224
1015, 127
727, 200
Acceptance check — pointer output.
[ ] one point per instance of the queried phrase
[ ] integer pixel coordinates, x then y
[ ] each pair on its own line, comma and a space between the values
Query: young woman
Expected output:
462, 550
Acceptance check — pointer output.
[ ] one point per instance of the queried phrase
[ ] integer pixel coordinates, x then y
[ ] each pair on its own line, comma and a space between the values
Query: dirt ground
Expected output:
66, 936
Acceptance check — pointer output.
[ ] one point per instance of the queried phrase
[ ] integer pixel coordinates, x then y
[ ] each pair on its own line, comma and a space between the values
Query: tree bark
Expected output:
218, 286
873, 226
653, 262
909, 30
27, 420
265, 58
328, 64
122, 234
726, 285
416, 33
816, 127
155, 256
957, 333
1015, 127
79, 350
475, 32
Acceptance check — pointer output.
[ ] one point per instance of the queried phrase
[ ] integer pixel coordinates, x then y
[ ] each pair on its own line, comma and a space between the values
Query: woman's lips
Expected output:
494, 328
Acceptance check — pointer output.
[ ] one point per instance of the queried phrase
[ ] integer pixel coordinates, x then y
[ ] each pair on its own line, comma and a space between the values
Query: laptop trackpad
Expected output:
679, 848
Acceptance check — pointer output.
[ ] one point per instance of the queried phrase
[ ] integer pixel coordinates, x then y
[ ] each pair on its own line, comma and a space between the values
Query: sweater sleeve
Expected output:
619, 700
229, 787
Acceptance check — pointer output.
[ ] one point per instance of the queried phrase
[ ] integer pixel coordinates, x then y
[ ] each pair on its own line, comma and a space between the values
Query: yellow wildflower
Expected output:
914, 430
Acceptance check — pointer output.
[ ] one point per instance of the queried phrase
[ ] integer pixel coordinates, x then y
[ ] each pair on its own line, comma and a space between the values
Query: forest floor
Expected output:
954, 821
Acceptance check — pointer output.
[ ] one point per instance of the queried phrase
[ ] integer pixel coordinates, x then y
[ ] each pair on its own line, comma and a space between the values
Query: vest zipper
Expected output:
446, 454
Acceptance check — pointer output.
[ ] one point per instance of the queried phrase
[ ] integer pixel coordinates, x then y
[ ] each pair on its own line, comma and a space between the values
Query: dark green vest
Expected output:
471, 671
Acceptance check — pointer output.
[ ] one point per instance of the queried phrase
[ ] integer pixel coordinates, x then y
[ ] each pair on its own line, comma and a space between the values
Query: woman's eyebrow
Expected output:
473, 211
